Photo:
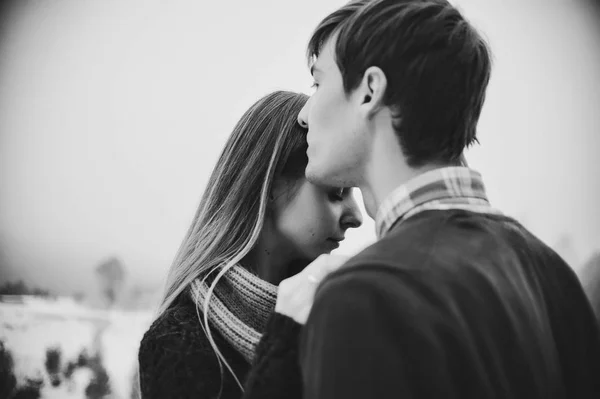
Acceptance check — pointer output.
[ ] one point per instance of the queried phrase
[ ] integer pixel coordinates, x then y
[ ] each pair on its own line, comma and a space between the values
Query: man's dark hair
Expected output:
436, 64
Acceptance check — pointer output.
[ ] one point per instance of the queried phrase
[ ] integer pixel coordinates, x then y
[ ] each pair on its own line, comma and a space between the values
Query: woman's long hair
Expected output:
266, 144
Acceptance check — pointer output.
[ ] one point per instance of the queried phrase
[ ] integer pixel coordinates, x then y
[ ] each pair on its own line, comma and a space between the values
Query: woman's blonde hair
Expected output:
266, 144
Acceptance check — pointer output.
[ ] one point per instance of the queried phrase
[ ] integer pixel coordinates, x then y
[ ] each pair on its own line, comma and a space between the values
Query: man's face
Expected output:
337, 146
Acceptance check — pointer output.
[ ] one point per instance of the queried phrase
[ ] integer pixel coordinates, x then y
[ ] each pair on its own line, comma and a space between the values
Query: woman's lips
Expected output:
335, 242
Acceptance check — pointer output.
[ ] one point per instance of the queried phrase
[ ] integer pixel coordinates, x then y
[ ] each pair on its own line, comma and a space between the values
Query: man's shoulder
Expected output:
408, 242
463, 232
454, 247
447, 257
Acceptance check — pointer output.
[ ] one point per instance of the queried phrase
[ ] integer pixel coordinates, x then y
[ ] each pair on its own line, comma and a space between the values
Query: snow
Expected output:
30, 326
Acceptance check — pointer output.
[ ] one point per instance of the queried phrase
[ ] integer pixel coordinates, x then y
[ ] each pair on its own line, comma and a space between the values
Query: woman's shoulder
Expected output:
175, 357
178, 326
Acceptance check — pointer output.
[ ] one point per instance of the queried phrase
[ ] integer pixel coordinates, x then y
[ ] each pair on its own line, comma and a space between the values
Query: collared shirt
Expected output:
456, 187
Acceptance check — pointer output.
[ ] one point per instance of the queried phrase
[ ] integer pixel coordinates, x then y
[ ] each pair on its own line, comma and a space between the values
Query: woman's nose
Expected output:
352, 217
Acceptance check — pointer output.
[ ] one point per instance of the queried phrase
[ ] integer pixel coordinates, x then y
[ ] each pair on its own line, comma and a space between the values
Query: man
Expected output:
455, 300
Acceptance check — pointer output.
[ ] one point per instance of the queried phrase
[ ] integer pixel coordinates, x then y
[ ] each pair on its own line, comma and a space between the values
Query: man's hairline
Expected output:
333, 35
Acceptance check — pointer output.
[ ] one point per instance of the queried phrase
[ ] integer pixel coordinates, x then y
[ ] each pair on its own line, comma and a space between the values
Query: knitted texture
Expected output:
238, 308
177, 361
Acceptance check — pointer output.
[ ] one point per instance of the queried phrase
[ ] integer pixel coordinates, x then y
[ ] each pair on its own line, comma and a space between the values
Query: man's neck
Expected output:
386, 171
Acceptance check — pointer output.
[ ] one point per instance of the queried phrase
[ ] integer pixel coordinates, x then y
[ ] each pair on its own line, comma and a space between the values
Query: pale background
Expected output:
113, 112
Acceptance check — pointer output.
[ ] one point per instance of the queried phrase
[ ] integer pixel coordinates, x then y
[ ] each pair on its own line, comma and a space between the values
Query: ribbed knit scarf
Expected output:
238, 308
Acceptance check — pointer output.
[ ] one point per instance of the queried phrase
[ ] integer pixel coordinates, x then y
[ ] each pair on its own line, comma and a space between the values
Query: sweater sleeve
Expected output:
174, 366
349, 348
275, 371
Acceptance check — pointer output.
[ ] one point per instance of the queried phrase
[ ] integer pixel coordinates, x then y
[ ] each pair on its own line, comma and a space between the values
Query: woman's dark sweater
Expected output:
177, 361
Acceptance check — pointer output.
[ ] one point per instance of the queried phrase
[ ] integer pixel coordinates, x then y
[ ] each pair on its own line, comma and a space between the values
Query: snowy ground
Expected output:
28, 329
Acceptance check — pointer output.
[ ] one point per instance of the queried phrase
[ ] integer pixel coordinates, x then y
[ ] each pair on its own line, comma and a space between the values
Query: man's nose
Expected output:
303, 116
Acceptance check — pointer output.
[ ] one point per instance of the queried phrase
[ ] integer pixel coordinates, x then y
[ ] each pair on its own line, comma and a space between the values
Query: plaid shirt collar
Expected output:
445, 188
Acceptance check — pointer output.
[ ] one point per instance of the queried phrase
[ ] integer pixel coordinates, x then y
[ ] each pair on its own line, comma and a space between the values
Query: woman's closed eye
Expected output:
337, 194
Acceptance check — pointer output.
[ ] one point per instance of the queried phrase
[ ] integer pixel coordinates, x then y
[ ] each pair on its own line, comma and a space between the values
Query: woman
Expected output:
258, 222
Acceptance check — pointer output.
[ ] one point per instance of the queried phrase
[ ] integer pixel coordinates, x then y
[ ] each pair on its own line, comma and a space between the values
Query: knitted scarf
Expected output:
239, 307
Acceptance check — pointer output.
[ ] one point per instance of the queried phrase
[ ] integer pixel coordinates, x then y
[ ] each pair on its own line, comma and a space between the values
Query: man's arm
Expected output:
275, 371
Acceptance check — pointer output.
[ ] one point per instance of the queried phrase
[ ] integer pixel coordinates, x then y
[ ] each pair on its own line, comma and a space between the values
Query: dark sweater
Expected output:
452, 304
177, 361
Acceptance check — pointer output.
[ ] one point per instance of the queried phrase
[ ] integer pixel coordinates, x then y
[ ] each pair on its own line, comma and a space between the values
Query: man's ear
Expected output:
371, 91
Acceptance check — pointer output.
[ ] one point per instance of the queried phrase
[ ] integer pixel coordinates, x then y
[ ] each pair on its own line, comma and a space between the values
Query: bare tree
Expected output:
111, 273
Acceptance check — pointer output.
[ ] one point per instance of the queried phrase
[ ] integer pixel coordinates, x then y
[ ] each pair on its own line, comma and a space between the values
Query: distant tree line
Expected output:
20, 288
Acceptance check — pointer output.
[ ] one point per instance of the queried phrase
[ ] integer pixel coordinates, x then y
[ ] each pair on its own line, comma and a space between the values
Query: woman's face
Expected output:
313, 219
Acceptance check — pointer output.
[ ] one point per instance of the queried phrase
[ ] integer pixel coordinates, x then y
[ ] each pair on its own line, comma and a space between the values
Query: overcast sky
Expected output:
112, 114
